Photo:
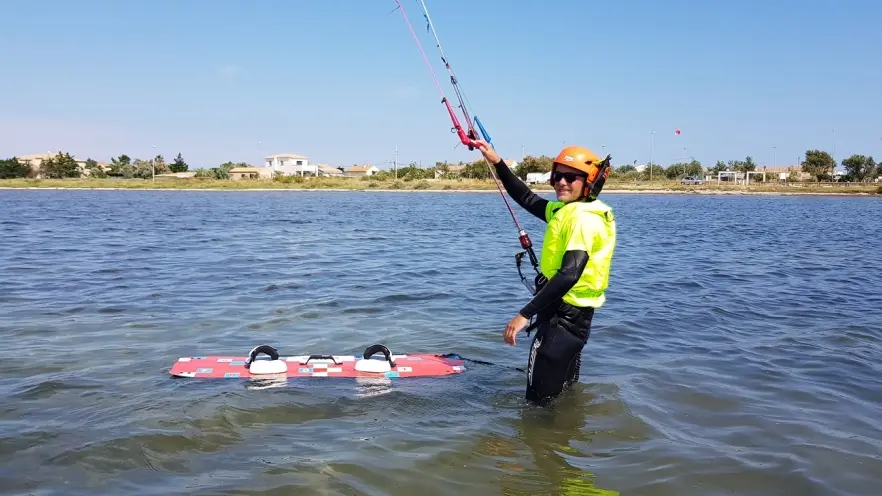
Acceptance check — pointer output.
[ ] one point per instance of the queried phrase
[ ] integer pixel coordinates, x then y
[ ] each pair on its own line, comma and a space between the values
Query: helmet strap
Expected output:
592, 189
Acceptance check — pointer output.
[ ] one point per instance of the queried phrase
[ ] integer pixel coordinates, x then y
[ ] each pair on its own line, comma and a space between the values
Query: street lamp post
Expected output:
685, 158
834, 150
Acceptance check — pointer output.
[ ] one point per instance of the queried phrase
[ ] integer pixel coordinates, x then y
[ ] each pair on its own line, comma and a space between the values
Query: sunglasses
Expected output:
567, 176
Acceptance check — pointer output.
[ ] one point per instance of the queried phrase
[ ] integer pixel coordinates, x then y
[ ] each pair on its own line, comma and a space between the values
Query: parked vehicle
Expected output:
538, 177
691, 180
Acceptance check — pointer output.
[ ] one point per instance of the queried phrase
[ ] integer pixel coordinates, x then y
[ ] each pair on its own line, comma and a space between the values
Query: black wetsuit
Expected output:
563, 329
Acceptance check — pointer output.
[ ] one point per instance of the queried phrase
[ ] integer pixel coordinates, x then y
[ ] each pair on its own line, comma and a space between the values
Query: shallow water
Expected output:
738, 353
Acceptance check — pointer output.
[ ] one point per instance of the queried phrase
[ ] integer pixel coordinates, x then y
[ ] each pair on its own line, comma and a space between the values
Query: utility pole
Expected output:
834, 150
685, 158
651, 147
395, 166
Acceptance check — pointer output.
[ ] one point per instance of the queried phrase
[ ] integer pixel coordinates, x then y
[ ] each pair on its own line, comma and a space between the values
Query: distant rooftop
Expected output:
285, 155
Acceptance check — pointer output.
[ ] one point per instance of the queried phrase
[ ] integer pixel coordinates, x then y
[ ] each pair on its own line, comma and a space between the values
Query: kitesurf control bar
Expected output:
463, 137
468, 139
483, 131
523, 237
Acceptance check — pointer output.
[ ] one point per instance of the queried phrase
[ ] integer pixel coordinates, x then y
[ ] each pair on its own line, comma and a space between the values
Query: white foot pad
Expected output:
378, 366
259, 367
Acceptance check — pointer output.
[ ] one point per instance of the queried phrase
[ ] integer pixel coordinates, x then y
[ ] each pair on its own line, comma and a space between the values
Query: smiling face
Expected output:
568, 183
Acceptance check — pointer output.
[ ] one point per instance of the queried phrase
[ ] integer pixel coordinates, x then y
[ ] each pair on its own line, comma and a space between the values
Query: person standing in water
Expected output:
577, 252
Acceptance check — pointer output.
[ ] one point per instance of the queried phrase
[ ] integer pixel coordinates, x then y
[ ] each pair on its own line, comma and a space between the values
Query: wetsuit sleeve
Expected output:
572, 265
520, 192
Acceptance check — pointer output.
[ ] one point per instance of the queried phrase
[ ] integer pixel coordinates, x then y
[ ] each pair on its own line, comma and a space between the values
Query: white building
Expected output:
328, 171
361, 170
290, 164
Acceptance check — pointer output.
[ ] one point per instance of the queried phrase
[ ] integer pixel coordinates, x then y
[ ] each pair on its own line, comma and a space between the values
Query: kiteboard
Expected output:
265, 361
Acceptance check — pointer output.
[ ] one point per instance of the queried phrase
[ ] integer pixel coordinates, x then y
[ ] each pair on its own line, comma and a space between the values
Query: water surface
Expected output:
738, 353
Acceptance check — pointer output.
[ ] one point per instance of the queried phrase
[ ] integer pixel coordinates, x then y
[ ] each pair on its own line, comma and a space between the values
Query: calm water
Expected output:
739, 352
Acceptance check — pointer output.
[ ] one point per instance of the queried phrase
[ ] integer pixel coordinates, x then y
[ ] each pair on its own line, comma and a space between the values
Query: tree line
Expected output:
63, 165
816, 163
126, 168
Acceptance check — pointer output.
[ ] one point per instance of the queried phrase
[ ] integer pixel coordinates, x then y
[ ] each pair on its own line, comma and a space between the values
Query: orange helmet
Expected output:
585, 160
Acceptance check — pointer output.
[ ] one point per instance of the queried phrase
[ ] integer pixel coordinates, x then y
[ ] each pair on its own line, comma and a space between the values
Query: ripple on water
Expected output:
732, 357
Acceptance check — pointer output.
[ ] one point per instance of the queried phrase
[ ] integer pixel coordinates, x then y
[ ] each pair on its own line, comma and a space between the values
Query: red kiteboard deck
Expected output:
233, 367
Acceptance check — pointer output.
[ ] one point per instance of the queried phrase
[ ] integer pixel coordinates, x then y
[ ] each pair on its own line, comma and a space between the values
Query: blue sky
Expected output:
343, 81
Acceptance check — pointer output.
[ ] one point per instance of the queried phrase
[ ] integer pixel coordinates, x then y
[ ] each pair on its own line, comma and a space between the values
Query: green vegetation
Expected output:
63, 171
12, 168
348, 184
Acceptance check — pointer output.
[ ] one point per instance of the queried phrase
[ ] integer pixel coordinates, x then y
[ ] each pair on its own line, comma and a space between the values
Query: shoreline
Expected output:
613, 191
350, 185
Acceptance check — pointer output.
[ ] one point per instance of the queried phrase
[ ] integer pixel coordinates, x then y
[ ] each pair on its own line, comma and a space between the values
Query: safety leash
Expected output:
456, 356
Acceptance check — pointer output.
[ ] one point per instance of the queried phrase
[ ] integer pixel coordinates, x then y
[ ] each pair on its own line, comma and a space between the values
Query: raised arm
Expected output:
520, 192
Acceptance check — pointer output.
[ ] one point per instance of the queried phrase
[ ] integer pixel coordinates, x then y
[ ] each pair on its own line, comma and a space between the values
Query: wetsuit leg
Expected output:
555, 353
573, 370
